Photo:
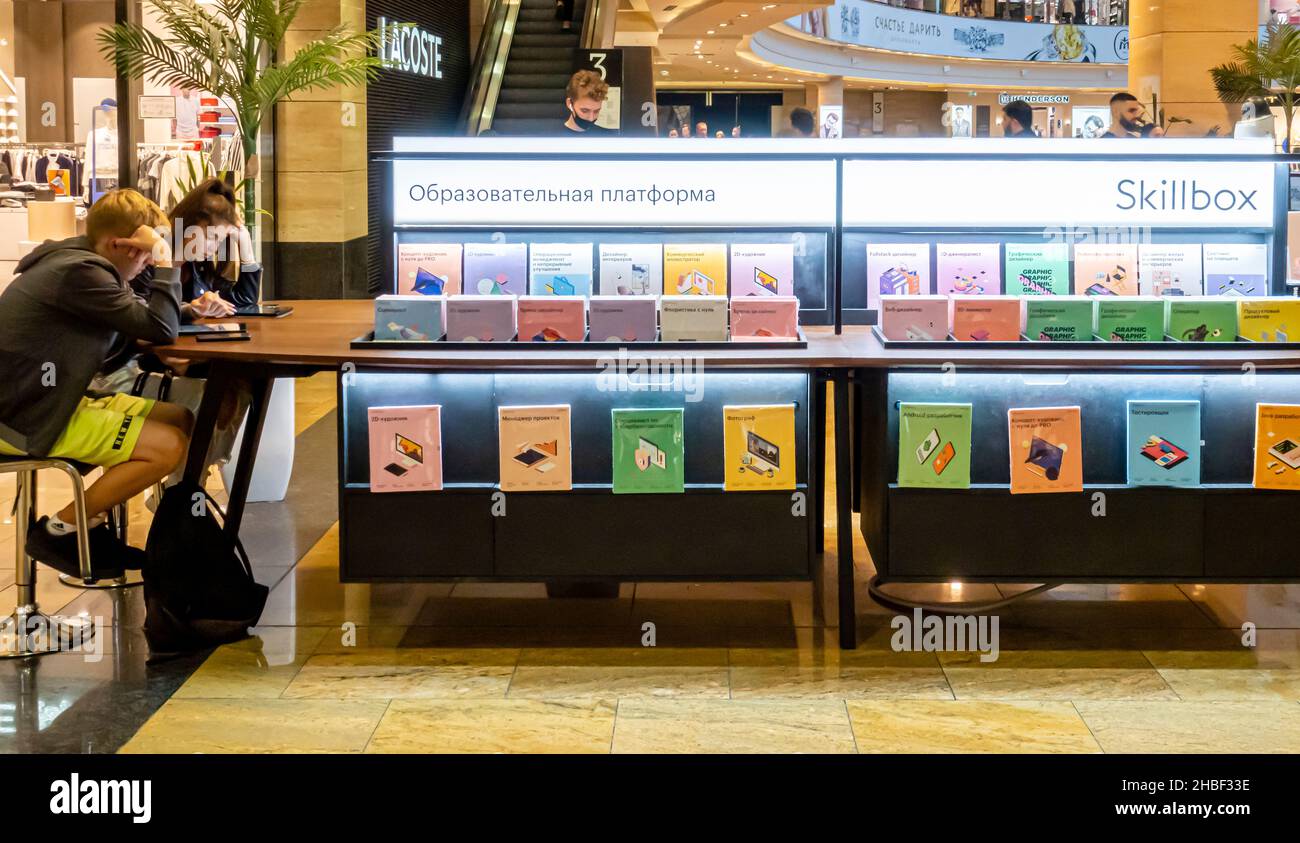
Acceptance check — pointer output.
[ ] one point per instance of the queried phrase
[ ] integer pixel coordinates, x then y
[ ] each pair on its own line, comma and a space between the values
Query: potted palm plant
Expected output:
235, 50
1267, 69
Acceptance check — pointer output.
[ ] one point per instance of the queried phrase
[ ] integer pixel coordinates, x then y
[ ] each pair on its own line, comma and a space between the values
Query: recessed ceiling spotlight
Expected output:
663, 73
722, 24
709, 32
744, 14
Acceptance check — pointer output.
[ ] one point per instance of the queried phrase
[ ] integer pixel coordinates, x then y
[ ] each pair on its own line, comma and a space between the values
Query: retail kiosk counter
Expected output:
1224, 531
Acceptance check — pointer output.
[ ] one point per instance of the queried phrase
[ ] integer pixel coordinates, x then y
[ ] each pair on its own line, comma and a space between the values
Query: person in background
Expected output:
673, 133
69, 306
735, 131
564, 14
686, 130
802, 124
584, 97
719, 135
1018, 120
1125, 116
701, 129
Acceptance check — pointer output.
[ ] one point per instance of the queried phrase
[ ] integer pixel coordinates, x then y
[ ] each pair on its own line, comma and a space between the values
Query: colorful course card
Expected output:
1277, 446
559, 269
1170, 269
1236, 269
767, 318
1130, 319
695, 269
758, 444
914, 317
1269, 320
428, 269
648, 451
536, 453
1046, 450
1105, 269
631, 269
1164, 443
496, 269
897, 269
693, 319
552, 319
623, 318
1060, 318
762, 269
968, 269
481, 318
934, 446
410, 317
1201, 319
1038, 269
986, 318
405, 448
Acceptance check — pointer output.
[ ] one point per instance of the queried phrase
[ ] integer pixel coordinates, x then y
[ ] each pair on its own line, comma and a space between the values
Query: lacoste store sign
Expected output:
410, 49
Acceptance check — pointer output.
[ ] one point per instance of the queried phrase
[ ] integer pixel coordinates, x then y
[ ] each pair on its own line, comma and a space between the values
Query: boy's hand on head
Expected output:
146, 240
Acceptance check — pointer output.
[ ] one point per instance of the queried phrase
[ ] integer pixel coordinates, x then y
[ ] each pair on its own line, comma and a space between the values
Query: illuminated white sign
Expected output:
597, 193
1036, 193
409, 48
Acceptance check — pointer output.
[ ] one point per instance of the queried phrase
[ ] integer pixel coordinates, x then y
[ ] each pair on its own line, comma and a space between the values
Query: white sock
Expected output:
59, 527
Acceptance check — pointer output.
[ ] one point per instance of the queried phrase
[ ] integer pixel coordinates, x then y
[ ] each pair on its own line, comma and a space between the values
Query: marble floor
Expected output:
496, 668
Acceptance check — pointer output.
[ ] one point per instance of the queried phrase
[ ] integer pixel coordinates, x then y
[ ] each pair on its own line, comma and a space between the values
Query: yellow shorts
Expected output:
102, 431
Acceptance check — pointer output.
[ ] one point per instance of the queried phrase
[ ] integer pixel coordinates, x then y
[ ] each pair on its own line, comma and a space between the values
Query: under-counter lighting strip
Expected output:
1179, 147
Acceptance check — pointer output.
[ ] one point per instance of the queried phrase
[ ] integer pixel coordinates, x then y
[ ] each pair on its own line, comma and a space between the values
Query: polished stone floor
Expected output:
475, 667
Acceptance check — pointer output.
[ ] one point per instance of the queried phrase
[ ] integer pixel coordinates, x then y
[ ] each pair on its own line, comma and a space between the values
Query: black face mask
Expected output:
581, 123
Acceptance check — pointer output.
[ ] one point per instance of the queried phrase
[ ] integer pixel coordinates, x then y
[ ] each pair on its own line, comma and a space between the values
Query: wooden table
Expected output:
317, 335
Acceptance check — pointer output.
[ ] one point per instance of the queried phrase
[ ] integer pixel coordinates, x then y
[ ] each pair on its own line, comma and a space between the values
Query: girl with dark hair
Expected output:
214, 251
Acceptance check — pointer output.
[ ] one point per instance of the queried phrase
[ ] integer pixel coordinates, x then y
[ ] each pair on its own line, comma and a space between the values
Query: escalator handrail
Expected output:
489, 66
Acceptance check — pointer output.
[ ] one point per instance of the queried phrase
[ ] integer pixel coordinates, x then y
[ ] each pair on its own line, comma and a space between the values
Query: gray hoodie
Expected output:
59, 320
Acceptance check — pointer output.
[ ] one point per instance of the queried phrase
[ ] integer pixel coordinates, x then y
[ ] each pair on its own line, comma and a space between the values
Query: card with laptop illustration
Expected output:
758, 447
934, 445
762, 269
405, 448
535, 448
1046, 450
1277, 446
429, 269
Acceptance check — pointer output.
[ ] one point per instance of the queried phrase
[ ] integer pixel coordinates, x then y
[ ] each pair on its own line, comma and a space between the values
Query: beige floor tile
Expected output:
1274, 649
620, 672
725, 726
1234, 684
809, 673
1193, 727
255, 726
405, 674
492, 726
963, 726
259, 667
1057, 684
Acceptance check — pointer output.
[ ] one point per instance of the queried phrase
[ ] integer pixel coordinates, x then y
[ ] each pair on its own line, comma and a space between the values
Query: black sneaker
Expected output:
60, 553
107, 548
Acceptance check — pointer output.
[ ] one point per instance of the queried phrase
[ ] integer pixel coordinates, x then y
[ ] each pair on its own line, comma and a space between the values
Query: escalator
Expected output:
524, 61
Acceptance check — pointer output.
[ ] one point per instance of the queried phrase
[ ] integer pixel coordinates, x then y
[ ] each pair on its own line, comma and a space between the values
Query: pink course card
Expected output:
552, 318
405, 448
764, 318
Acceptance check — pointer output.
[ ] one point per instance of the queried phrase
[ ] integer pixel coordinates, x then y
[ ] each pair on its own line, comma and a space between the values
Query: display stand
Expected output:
470, 529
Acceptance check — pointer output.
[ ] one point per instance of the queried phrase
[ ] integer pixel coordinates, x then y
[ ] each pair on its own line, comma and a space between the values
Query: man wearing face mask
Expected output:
1126, 116
584, 96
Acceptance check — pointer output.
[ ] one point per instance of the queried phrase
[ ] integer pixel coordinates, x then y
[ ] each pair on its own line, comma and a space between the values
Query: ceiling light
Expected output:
710, 32
744, 14
663, 73
722, 24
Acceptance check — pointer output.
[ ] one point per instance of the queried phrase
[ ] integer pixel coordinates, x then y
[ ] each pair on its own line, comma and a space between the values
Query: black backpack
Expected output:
199, 589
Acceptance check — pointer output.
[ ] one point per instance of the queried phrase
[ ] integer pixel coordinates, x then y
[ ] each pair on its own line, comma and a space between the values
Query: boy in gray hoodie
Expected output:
66, 314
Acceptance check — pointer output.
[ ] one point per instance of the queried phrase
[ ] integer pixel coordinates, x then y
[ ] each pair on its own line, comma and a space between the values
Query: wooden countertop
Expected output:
317, 335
